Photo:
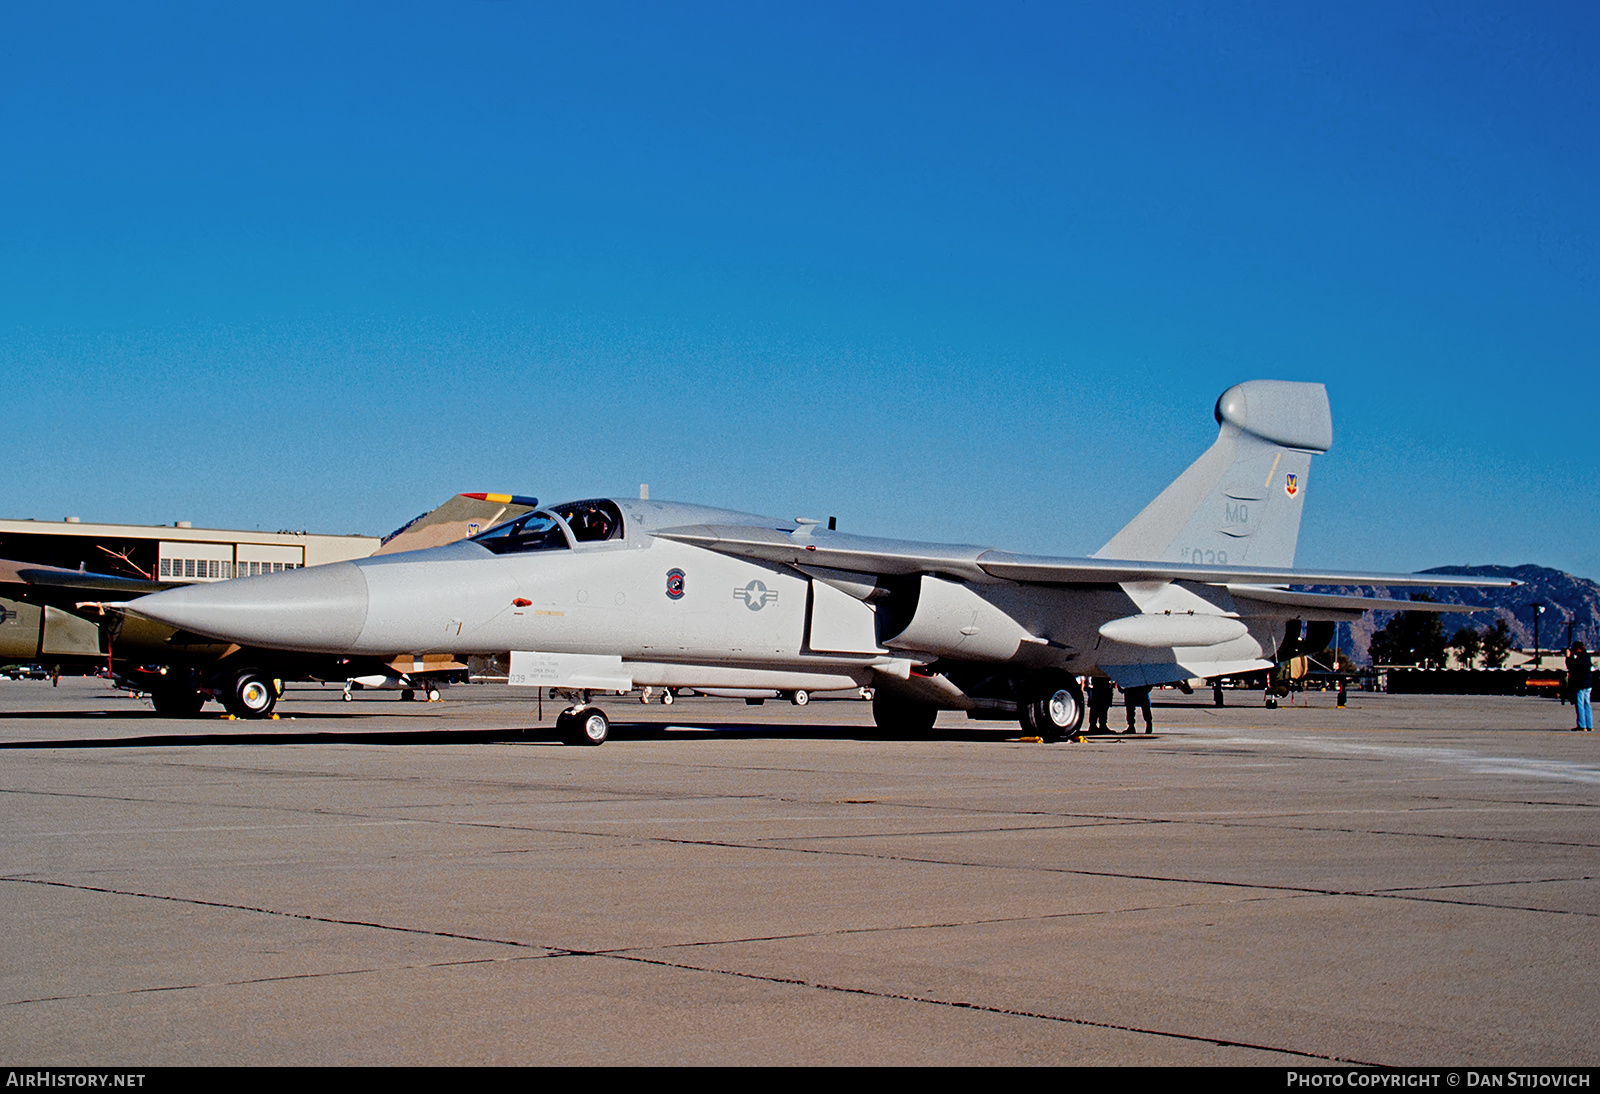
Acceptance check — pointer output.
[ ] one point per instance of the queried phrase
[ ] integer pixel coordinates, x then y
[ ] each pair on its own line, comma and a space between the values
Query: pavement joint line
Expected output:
560, 951
1376, 894
1269, 886
278, 979
1091, 820
1485, 884
951, 831
306, 916
958, 1004
952, 925
1092, 817
766, 845
1334, 830
1518, 801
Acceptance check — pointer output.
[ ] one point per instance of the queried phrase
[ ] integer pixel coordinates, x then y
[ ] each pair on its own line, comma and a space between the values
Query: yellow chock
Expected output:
274, 717
1033, 740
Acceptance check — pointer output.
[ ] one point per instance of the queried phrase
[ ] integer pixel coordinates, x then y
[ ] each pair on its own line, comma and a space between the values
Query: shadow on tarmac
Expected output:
534, 735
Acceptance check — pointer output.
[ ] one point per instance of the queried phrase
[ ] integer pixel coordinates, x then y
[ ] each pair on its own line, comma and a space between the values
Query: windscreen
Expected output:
533, 532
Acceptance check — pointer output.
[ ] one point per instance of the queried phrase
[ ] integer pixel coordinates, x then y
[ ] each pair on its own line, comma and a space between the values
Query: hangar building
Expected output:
177, 552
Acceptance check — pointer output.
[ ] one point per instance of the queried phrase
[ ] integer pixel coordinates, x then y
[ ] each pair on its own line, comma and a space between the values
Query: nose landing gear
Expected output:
583, 726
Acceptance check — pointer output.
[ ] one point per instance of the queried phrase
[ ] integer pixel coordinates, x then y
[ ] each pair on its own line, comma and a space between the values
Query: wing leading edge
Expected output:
809, 546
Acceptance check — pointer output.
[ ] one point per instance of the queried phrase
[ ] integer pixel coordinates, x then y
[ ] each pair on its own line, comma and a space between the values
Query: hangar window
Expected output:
533, 532
592, 521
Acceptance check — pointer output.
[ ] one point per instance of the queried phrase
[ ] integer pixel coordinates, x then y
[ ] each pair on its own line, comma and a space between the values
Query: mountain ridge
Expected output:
1566, 597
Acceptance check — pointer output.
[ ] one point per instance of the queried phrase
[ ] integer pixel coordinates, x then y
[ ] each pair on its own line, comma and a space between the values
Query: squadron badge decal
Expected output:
1291, 485
674, 584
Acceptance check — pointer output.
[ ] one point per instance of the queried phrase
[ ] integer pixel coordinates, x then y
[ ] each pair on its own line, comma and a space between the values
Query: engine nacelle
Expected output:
952, 620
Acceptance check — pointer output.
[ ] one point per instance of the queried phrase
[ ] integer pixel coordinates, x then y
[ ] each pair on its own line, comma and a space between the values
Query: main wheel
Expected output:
433, 695
1025, 716
588, 726
407, 694
177, 702
902, 717
800, 698
250, 695
1057, 712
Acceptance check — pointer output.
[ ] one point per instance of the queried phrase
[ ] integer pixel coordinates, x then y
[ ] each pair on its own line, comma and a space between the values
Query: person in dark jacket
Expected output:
1580, 678
1137, 699
1100, 689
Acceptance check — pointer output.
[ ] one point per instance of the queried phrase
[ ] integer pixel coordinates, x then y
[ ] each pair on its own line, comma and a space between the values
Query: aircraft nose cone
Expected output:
320, 609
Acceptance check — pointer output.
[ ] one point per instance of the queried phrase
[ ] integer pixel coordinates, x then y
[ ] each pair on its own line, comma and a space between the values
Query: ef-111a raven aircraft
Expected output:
615, 593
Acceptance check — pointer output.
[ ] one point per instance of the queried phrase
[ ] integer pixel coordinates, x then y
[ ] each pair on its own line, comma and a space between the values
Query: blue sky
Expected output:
960, 272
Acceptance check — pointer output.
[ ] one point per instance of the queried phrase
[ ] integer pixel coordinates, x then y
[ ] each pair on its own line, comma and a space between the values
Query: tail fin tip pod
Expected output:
1240, 502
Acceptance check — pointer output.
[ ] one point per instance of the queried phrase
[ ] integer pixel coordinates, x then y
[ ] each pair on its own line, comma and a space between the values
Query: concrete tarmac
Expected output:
1411, 880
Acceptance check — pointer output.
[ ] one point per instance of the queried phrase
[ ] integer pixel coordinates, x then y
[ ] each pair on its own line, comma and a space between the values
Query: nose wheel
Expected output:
583, 726
250, 694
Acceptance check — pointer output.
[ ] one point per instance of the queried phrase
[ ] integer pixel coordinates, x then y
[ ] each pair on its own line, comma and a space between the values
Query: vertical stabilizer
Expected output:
463, 515
1240, 502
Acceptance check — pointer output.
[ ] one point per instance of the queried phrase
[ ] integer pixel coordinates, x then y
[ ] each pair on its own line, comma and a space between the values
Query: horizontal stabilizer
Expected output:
57, 577
1341, 604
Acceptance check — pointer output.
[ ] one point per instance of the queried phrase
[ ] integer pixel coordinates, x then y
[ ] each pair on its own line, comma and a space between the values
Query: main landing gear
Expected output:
178, 700
1052, 708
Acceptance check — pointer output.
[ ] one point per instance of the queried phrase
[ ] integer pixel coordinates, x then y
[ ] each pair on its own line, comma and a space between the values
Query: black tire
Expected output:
902, 717
1055, 708
588, 726
1025, 716
250, 695
406, 695
177, 702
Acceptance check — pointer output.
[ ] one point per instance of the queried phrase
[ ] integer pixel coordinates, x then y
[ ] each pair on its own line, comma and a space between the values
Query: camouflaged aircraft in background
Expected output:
610, 594
58, 616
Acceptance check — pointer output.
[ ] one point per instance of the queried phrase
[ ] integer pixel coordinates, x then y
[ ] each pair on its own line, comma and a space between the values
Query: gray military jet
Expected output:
615, 593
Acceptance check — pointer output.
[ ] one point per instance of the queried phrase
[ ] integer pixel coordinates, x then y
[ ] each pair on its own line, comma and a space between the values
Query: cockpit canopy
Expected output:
592, 521
557, 528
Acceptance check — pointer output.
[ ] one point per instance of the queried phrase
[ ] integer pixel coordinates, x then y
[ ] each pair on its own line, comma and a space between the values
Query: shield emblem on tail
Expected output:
1291, 485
